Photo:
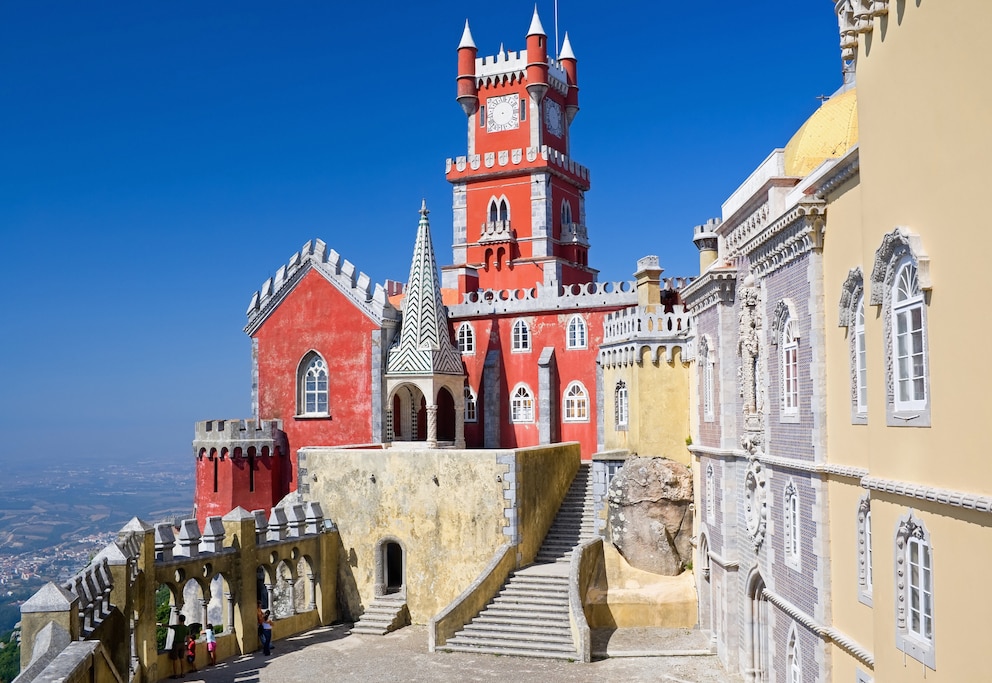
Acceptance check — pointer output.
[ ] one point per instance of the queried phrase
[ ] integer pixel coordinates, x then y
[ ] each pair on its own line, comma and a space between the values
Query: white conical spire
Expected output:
535, 25
466, 38
566, 49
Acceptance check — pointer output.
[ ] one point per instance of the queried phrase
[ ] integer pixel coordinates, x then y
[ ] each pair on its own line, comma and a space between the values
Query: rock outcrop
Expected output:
650, 514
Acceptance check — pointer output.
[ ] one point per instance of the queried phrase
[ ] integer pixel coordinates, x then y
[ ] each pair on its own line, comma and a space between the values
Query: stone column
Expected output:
292, 594
312, 604
240, 531
230, 612
432, 426
389, 425
460, 423
270, 594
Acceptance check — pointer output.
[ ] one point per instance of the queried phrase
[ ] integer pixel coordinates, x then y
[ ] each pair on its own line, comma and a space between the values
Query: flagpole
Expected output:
556, 30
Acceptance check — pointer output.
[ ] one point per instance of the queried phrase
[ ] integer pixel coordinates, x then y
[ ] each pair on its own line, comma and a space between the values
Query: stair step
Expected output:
522, 645
507, 651
515, 634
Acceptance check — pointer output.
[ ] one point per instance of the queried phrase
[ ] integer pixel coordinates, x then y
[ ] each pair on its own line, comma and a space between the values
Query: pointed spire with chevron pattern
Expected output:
425, 346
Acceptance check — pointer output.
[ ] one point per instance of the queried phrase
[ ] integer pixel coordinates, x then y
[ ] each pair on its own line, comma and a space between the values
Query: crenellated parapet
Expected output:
855, 18
314, 255
507, 66
518, 158
627, 333
231, 438
547, 298
297, 555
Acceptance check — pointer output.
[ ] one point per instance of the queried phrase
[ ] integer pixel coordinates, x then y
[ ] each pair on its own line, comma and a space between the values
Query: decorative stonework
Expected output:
747, 228
713, 287
897, 245
864, 552
755, 502
749, 345
793, 235
785, 310
850, 293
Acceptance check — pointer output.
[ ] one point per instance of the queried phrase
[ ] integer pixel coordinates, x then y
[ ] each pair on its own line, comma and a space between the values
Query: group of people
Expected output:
184, 642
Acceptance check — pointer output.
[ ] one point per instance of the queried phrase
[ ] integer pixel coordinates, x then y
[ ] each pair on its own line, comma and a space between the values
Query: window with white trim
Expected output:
471, 410
576, 407
522, 405
864, 551
621, 405
706, 356
899, 280
860, 360
710, 494
566, 212
794, 662
792, 534
520, 337
790, 368
499, 209
909, 356
576, 333
312, 383
466, 339
914, 577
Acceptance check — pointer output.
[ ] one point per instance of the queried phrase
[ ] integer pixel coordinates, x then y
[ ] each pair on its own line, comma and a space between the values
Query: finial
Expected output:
423, 208
566, 49
466, 38
535, 25
501, 54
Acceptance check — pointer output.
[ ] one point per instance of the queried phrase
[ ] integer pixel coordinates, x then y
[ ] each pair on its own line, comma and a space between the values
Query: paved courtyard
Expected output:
330, 653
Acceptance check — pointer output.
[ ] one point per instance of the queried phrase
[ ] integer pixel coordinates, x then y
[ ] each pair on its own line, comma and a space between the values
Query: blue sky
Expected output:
158, 161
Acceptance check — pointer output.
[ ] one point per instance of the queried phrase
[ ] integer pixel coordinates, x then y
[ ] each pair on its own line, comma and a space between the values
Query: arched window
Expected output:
493, 210
794, 667
313, 394
522, 405
706, 358
504, 210
790, 368
471, 414
792, 536
861, 359
576, 403
466, 339
566, 212
852, 316
621, 405
576, 332
520, 336
914, 578
908, 354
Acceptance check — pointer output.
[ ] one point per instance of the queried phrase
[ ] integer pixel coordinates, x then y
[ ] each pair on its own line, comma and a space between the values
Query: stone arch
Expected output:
705, 587
409, 415
757, 630
285, 575
390, 566
445, 415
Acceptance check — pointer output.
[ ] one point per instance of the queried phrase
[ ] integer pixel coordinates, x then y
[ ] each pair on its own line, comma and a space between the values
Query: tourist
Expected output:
211, 645
179, 633
266, 634
191, 652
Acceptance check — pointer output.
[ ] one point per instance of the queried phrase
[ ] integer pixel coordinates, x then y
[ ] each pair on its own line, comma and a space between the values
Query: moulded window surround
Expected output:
862, 677
708, 367
499, 209
794, 662
793, 538
576, 333
900, 278
520, 338
852, 317
621, 406
466, 339
915, 606
865, 579
790, 371
576, 408
566, 212
522, 405
471, 407
313, 386
860, 362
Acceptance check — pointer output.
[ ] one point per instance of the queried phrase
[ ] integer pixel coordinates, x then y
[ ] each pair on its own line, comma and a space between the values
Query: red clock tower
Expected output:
519, 206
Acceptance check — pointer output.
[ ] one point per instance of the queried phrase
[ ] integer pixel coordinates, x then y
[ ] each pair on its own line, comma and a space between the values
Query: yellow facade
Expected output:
921, 167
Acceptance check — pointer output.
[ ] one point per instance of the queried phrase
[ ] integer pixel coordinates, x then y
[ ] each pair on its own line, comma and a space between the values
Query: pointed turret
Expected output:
570, 64
467, 87
537, 59
425, 346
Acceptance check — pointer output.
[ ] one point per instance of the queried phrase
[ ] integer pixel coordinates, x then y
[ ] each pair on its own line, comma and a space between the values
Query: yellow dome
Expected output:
827, 134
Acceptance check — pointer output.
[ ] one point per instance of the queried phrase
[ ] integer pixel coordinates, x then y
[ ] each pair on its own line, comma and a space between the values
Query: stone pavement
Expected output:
331, 654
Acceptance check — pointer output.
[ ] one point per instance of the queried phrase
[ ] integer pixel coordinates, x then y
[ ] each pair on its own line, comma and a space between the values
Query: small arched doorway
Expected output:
445, 415
758, 631
390, 567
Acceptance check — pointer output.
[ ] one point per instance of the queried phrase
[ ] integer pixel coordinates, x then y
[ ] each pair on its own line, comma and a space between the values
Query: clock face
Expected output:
503, 113
553, 118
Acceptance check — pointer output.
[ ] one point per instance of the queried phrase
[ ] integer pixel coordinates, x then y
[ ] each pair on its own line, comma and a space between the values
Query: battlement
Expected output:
520, 157
511, 66
220, 435
545, 298
339, 271
641, 323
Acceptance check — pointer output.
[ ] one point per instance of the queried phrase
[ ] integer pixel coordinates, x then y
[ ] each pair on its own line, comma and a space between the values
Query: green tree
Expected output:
163, 608
10, 658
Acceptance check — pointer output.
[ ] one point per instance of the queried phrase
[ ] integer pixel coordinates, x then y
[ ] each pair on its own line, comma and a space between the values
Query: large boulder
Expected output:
650, 514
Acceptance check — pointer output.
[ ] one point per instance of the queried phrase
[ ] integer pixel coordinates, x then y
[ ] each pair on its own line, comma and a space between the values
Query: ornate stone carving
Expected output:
850, 292
864, 507
908, 528
755, 502
749, 345
895, 246
784, 310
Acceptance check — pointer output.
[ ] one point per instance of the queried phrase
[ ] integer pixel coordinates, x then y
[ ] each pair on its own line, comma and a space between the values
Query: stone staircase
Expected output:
384, 614
528, 617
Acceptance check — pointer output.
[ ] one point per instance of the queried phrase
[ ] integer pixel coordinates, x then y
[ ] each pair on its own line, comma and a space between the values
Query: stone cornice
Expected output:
960, 499
794, 234
782, 463
846, 168
709, 289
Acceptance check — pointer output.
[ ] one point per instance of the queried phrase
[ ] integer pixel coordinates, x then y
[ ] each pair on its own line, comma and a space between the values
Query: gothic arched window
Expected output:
576, 333
312, 382
466, 339
576, 407
522, 405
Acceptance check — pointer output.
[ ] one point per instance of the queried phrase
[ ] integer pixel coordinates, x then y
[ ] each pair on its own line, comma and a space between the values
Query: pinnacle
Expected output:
423, 208
535, 25
566, 49
466, 38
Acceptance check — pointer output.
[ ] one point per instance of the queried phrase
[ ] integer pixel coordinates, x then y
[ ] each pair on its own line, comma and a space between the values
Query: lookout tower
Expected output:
519, 199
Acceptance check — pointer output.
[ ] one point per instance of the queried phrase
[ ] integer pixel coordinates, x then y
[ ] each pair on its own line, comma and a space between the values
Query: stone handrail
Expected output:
471, 601
587, 561
639, 322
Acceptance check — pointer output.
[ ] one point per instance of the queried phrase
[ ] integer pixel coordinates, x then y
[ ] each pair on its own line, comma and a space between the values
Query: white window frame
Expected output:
520, 337
522, 405
860, 360
792, 518
915, 623
575, 403
471, 412
865, 569
709, 414
577, 333
311, 368
466, 339
793, 658
790, 369
710, 494
901, 264
621, 399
